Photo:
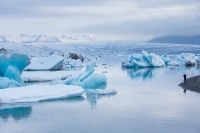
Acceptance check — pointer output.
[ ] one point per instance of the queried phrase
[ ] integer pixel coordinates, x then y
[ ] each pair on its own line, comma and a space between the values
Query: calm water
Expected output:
147, 101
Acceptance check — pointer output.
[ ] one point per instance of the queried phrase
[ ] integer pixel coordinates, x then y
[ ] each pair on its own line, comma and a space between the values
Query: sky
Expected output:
105, 19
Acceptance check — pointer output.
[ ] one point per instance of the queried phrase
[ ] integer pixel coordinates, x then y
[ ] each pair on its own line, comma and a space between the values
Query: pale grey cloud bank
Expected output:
106, 19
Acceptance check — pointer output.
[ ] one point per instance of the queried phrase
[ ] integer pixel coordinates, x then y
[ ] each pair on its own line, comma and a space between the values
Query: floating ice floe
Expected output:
153, 60
36, 93
41, 76
53, 62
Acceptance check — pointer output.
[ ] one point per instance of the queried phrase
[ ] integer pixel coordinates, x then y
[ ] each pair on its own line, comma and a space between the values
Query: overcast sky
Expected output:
105, 19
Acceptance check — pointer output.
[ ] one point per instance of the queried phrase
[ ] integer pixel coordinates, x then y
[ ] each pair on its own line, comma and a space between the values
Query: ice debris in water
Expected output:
11, 68
153, 60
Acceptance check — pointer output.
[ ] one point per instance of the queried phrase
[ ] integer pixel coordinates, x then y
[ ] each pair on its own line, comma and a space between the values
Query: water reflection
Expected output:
142, 73
188, 87
17, 113
93, 98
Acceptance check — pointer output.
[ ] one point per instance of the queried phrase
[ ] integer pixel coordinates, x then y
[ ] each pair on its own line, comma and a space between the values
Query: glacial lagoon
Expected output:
148, 100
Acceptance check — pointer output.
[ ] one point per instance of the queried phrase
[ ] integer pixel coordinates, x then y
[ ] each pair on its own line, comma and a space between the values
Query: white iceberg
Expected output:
36, 93
53, 62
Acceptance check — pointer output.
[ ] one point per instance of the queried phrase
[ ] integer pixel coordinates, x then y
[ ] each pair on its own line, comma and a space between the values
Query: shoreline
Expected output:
193, 84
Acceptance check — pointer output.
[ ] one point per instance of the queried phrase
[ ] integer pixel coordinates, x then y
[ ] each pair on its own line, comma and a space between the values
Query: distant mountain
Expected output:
3, 39
77, 37
177, 39
43, 38
38, 38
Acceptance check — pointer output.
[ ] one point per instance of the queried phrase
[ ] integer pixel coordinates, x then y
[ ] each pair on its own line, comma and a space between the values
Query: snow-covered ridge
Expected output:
44, 38
3, 39
38, 38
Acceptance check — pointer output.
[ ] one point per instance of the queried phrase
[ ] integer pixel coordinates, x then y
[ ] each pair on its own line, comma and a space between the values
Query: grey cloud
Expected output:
141, 17
173, 26
35, 8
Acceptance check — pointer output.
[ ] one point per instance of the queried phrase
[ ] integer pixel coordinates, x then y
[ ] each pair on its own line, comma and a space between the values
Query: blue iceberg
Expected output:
88, 79
145, 60
11, 69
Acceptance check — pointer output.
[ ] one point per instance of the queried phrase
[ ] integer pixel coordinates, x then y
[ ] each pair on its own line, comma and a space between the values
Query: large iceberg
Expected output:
11, 68
144, 60
153, 60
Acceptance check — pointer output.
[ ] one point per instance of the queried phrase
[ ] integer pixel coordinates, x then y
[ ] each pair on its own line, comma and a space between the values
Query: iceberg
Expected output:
144, 60
187, 59
12, 67
153, 60
95, 81
6, 83
53, 62
88, 79
40, 92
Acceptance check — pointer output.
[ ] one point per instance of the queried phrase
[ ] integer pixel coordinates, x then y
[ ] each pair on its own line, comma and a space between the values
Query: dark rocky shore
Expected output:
193, 84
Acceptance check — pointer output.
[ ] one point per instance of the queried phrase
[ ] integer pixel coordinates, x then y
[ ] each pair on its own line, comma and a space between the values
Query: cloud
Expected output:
172, 20
130, 17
